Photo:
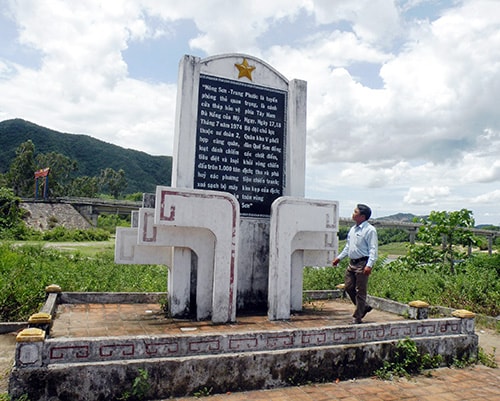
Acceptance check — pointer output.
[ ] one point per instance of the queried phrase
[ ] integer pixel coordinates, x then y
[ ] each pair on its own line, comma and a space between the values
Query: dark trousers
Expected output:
356, 286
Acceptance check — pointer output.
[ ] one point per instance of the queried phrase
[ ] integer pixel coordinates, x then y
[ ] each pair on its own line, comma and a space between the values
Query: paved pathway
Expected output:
469, 384
445, 384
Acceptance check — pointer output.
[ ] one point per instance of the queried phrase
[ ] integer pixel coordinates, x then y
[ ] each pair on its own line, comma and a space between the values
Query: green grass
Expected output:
25, 271
393, 249
27, 268
91, 248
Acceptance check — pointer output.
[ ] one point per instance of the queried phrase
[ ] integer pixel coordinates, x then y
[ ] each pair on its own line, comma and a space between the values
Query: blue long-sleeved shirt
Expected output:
362, 241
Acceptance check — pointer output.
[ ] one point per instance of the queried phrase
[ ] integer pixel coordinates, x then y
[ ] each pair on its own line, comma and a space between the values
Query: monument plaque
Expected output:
241, 128
240, 142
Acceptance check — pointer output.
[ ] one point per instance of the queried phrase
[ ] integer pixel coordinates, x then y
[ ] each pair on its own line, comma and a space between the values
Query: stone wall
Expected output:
45, 216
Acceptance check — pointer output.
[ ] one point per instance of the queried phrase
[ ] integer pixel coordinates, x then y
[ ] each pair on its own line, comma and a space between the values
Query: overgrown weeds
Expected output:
25, 271
475, 284
407, 361
487, 359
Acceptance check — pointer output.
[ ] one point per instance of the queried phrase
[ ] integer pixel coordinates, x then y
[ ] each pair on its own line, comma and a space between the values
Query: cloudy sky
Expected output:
403, 95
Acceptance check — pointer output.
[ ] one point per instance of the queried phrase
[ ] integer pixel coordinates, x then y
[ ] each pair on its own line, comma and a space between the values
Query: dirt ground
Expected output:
7, 350
489, 341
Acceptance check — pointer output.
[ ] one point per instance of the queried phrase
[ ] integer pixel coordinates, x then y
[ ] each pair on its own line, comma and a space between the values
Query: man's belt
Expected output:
356, 261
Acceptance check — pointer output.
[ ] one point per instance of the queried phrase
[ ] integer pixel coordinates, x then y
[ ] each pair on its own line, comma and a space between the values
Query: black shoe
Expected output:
368, 308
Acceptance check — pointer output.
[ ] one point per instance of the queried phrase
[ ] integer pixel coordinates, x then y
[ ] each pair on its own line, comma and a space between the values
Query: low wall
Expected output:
46, 215
180, 376
178, 365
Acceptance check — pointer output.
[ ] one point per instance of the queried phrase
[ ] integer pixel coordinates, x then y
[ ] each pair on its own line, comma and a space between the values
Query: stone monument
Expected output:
240, 131
241, 128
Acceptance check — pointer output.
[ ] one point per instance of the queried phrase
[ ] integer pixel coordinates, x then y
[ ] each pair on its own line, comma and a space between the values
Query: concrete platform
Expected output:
110, 320
96, 350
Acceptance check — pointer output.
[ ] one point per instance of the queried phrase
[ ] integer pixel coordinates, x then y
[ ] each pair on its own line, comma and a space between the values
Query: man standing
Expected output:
362, 249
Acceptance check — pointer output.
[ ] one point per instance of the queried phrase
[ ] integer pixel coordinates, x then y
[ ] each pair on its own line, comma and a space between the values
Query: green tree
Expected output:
114, 181
4, 182
84, 186
448, 229
61, 171
22, 170
10, 213
388, 235
11, 216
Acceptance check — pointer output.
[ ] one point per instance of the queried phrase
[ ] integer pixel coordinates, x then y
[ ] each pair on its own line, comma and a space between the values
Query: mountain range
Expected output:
408, 218
399, 217
142, 171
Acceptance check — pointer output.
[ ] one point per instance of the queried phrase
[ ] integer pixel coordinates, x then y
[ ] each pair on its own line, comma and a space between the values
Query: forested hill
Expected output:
142, 171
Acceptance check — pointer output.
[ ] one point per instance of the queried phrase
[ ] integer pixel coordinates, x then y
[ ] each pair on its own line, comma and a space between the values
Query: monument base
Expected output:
96, 351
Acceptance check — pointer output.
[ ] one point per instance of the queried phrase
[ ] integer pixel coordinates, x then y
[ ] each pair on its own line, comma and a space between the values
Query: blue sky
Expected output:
402, 95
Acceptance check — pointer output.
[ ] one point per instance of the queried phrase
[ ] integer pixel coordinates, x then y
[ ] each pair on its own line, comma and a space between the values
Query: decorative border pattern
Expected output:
57, 351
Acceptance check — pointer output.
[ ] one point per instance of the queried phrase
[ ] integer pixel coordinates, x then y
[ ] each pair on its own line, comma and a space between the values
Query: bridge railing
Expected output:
412, 229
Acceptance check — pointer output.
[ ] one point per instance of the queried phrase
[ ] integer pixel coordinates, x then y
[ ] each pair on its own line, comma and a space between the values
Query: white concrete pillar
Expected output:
295, 224
184, 240
219, 213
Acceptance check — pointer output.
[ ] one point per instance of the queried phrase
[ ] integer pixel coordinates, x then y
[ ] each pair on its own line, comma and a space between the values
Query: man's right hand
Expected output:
335, 262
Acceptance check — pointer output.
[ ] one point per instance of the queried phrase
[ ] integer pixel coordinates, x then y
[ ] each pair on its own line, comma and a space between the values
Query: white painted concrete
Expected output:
217, 212
128, 251
253, 258
185, 239
187, 221
297, 225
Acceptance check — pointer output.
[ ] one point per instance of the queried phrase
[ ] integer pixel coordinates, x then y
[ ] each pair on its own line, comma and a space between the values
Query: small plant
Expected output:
487, 359
165, 305
125, 396
461, 363
141, 384
407, 361
203, 392
6, 397
140, 387
52, 222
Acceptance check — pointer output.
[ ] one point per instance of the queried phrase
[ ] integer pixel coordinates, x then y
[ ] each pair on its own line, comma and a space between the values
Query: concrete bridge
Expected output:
91, 208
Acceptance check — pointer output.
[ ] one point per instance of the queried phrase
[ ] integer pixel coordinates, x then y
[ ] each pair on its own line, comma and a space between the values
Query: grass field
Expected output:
84, 248
27, 268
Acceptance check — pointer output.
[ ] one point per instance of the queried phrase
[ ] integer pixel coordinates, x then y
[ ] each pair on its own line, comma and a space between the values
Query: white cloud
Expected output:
83, 85
426, 195
490, 197
372, 20
429, 136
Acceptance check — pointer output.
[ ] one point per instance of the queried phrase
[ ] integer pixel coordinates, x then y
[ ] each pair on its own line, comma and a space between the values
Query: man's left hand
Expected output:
367, 271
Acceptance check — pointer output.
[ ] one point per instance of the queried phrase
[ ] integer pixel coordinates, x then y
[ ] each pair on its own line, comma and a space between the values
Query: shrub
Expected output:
60, 234
406, 361
322, 278
111, 221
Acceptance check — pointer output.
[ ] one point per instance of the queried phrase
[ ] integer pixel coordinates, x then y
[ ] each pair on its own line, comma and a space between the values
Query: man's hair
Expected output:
364, 210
